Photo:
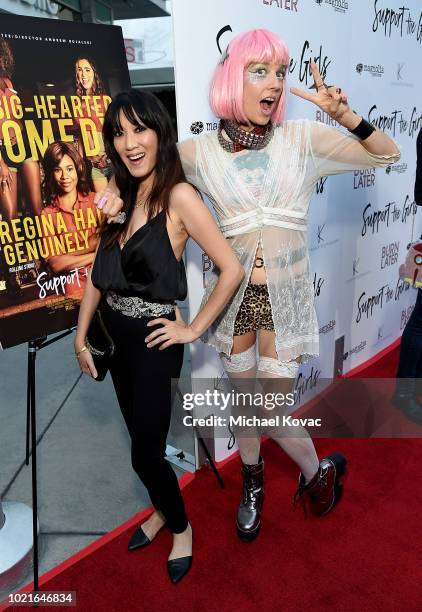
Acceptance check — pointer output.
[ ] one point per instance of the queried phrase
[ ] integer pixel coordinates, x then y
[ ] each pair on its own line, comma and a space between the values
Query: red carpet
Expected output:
366, 555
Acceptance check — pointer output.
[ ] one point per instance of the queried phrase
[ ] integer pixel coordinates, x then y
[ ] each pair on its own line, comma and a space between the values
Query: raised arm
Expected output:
334, 152
200, 225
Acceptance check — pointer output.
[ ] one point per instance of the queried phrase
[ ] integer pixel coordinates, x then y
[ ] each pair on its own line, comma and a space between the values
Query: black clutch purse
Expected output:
100, 344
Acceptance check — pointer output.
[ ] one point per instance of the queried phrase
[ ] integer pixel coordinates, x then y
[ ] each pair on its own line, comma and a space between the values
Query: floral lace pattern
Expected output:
137, 306
262, 197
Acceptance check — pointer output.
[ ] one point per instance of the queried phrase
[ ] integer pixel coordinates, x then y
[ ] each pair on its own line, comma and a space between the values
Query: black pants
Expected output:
142, 380
410, 364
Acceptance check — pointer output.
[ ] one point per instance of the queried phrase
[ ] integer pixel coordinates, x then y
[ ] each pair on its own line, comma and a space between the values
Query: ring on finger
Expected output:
121, 217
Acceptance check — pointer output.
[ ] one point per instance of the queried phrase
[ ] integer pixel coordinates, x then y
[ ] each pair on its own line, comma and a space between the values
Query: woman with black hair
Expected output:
139, 273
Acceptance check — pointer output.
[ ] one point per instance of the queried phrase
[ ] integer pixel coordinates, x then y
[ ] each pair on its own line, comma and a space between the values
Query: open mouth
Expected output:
267, 105
136, 158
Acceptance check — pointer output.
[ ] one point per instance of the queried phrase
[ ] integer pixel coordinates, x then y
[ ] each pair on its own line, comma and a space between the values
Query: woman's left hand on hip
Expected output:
170, 332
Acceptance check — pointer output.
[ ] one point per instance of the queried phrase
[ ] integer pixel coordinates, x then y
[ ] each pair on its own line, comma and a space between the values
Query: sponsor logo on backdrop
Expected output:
319, 188
358, 269
400, 80
317, 283
305, 384
197, 127
389, 254
355, 349
402, 287
368, 304
399, 168
288, 5
405, 316
325, 329
221, 31
381, 336
364, 178
399, 20
325, 118
373, 70
375, 220
322, 238
341, 6
395, 122
306, 57
410, 208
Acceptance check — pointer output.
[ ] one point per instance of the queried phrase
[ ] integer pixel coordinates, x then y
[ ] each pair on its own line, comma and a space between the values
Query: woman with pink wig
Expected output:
259, 172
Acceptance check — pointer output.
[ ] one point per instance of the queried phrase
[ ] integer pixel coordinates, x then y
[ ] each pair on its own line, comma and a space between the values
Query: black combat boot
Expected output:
324, 489
248, 520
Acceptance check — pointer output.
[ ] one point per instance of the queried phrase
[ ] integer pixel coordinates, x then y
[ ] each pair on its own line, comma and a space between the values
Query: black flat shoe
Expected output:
139, 539
177, 568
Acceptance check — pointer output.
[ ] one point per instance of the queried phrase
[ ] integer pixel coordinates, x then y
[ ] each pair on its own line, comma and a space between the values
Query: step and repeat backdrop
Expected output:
359, 223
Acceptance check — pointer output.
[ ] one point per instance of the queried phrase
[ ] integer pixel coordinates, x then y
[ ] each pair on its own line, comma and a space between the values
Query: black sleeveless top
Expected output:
145, 267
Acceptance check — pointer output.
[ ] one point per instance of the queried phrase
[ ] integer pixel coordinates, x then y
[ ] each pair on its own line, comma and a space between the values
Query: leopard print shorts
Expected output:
255, 311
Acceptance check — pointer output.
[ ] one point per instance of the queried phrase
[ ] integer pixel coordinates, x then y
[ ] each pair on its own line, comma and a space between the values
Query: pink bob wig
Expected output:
226, 89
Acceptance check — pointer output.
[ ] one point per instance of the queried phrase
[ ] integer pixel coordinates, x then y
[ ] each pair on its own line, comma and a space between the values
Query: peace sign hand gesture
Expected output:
331, 99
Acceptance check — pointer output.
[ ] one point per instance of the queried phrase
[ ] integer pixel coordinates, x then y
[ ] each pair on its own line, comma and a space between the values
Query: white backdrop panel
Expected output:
359, 223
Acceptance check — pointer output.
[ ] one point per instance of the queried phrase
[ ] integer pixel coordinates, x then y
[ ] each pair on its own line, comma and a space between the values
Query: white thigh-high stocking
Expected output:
241, 368
297, 443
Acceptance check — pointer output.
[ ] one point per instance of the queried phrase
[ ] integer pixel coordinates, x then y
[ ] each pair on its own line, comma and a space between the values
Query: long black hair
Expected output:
142, 106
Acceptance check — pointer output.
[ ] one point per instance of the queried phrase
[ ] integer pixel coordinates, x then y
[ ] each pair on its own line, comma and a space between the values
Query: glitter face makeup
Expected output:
259, 72
262, 88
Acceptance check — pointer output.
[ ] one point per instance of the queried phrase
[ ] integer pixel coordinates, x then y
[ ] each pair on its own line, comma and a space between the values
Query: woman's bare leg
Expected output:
9, 199
30, 173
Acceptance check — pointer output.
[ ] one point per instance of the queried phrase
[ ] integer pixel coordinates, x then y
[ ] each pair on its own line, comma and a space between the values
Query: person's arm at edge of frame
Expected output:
418, 181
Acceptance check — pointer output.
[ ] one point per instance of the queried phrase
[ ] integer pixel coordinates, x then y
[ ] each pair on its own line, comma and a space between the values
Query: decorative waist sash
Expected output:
137, 306
261, 217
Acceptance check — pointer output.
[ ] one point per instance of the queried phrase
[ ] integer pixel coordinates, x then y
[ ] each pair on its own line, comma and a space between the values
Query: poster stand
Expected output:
31, 436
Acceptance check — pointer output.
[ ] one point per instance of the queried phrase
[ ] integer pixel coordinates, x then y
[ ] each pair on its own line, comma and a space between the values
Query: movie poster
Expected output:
56, 81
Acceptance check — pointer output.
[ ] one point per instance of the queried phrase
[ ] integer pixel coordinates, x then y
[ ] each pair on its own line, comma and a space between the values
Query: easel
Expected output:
31, 435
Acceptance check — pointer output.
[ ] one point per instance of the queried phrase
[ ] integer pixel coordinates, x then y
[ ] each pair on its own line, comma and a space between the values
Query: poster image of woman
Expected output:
67, 190
88, 83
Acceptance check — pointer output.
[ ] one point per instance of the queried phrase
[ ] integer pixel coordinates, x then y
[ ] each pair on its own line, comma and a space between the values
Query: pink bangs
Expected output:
226, 89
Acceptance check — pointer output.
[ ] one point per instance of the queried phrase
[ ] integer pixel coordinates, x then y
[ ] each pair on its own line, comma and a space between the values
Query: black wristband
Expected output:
363, 130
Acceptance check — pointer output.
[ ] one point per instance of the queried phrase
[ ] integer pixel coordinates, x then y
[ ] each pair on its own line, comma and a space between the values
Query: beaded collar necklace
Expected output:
258, 138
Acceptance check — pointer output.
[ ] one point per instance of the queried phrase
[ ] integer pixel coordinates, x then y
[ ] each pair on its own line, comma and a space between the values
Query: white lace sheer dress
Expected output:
263, 197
